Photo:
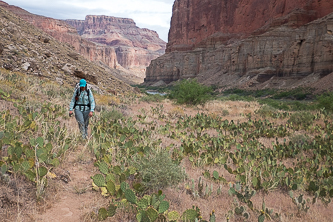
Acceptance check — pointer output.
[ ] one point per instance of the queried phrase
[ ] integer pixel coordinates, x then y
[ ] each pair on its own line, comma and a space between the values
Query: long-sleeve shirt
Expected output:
83, 101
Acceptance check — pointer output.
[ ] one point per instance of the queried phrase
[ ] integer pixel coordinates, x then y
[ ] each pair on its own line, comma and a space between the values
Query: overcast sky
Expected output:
151, 14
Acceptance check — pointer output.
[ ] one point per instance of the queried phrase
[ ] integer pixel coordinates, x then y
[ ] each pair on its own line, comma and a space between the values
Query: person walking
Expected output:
83, 104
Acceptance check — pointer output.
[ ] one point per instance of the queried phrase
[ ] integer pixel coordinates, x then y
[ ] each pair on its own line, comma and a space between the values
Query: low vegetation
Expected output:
145, 161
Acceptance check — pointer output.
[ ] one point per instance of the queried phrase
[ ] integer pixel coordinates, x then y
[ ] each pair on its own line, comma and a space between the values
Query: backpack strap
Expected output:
78, 92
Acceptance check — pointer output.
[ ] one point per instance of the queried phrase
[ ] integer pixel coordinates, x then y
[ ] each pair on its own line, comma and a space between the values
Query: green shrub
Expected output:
191, 92
304, 119
326, 101
152, 98
266, 111
225, 112
158, 170
299, 139
298, 94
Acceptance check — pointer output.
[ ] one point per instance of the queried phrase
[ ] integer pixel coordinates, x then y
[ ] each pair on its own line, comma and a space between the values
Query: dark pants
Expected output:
82, 117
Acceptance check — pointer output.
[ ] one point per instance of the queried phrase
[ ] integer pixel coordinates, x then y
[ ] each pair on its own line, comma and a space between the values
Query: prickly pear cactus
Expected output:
142, 216
143, 203
99, 180
48, 147
130, 196
40, 141
212, 217
190, 215
173, 215
124, 186
103, 167
112, 210
239, 210
29, 174
216, 175
25, 165
110, 176
152, 213
17, 151
102, 214
164, 206
42, 171
117, 170
111, 187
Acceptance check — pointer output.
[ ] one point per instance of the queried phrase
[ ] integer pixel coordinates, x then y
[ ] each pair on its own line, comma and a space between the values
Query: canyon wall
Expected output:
200, 22
131, 57
134, 47
247, 43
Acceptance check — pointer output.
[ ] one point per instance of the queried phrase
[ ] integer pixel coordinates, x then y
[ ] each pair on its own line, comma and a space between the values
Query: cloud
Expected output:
151, 14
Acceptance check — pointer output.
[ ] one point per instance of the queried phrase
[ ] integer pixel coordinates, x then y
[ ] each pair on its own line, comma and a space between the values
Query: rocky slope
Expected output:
27, 49
131, 59
277, 46
134, 47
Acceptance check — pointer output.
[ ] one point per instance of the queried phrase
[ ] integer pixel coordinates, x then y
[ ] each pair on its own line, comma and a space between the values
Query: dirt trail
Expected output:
74, 199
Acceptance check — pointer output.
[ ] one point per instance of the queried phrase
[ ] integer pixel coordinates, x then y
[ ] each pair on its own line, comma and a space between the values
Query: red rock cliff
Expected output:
197, 23
233, 43
135, 47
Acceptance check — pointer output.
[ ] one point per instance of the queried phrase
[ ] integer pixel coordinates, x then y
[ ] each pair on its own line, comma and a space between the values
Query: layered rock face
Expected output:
275, 42
117, 47
134, 47
204, 22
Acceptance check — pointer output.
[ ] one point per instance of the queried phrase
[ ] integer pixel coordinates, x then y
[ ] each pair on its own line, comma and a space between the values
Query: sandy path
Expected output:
75, 199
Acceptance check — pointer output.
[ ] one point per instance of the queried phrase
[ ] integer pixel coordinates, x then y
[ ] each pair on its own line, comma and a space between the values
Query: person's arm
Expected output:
92, 103
71, 104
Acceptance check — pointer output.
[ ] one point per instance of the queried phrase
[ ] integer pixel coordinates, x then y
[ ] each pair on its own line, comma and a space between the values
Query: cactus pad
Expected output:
30, 175
143, 203
103, 167
190, 214
117, 170
122, 178
32, 142
173, 215
111, 177
17, 151
111, 187
239, 210
102, 214
130, 196
112, 210
142, 216
124, 186
216, 175
99, 180
25, 165
48, 147
152, 213
55, 162
42, 171
164, 206
40, 141
212, 217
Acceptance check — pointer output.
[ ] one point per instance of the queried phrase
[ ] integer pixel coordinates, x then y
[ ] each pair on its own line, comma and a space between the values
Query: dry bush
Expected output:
176, 112
105, 100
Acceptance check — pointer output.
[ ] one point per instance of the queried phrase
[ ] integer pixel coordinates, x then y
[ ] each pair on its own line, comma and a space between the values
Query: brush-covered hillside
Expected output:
28, 50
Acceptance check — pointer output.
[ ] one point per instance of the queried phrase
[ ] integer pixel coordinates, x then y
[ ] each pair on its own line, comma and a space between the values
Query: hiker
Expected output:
83, 104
